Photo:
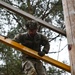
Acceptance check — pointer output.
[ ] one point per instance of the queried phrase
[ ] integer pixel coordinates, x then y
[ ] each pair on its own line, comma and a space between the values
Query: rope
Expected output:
59, 49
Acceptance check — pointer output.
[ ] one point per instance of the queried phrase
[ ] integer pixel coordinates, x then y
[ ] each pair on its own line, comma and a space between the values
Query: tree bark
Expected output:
69, 16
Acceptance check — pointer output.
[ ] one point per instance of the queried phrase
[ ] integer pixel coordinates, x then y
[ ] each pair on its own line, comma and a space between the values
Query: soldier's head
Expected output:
32, 27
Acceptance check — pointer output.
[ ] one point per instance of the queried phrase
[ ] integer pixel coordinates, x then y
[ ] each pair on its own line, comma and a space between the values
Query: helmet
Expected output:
31, 24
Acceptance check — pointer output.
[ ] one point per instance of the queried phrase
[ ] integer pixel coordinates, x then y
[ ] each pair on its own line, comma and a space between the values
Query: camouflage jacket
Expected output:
34, 43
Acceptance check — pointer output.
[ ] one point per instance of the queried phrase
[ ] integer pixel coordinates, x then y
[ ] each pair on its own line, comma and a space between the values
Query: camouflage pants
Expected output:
33, 67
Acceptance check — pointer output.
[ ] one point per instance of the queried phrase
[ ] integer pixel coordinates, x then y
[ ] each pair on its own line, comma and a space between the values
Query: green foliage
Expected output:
11, 60
55, 71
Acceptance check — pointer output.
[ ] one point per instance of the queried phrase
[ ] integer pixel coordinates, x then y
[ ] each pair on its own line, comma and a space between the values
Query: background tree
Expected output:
48, 10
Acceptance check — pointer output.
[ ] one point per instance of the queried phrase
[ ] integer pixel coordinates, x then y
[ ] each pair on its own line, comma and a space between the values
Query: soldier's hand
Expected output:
41, 53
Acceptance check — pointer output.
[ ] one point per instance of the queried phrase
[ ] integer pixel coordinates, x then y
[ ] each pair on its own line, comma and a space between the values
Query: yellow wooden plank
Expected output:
33, 53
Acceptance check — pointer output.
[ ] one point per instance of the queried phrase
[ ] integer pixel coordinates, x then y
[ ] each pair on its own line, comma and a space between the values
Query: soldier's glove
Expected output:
46, 52
41, 53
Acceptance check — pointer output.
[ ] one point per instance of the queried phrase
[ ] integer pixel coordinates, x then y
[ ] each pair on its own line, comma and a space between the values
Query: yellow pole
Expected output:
33, 53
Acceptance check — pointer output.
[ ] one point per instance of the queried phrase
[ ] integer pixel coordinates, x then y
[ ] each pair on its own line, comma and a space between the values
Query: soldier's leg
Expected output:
28, 68
40, 68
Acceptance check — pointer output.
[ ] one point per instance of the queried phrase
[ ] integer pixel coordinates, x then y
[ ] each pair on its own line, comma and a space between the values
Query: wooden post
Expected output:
69, 16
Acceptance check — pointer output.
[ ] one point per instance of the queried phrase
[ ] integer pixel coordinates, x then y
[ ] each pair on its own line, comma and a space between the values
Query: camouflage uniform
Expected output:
33, 66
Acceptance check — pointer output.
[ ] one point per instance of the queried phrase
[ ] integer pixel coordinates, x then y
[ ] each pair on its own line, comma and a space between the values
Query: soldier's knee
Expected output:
28, 68
32, 72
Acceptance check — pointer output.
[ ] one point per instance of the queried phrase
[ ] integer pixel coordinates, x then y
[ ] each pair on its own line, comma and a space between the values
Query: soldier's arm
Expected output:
17, 38
45, 43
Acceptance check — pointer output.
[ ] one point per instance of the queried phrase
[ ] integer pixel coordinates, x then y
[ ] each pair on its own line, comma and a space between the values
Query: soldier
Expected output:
33, 40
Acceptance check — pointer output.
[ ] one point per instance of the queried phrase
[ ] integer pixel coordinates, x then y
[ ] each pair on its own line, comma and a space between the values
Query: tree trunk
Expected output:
69, 16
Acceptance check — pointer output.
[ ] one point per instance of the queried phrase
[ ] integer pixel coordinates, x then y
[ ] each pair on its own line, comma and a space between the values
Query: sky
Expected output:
57, 46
